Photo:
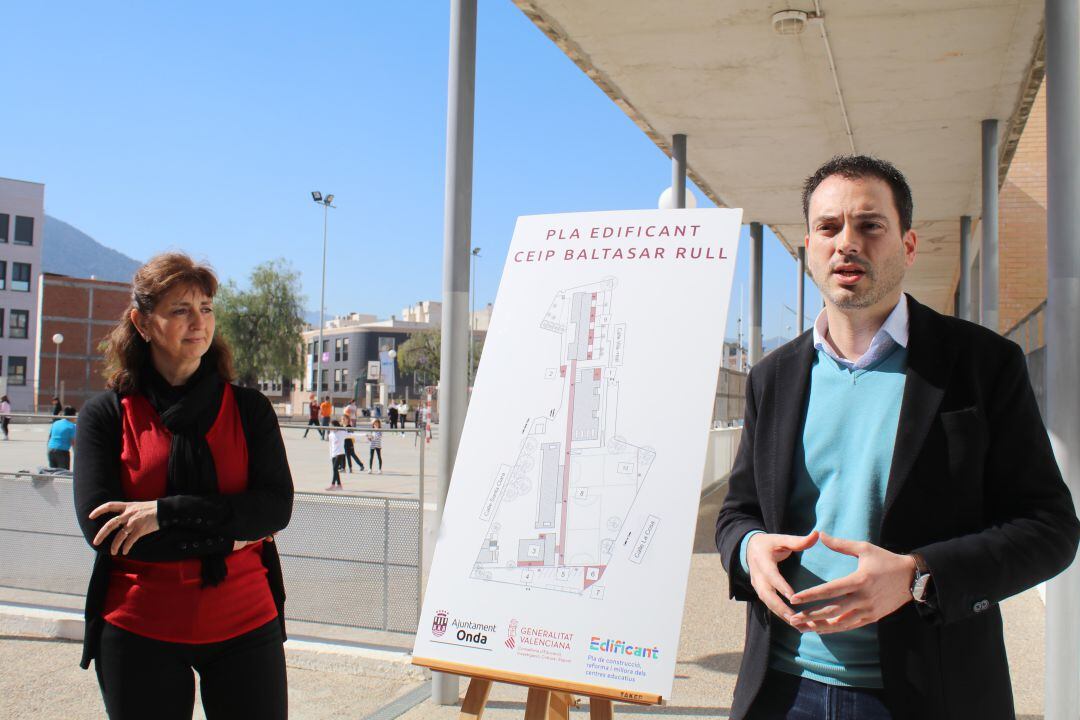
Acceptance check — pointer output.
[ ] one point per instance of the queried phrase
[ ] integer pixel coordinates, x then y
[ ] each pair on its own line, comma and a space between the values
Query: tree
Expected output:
263, 324
422, 354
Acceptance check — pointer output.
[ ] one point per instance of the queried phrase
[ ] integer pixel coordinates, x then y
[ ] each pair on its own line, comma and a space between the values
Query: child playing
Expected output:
375, 438
337, 435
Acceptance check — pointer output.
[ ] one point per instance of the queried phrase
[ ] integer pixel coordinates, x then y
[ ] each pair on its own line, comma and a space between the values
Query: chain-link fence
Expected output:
730, 399
350, 561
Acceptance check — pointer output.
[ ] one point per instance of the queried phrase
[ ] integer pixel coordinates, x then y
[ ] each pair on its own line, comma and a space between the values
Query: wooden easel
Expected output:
549, 699
542, 704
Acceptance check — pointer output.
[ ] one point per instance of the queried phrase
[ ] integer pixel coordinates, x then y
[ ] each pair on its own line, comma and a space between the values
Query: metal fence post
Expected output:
386, 565
420, 533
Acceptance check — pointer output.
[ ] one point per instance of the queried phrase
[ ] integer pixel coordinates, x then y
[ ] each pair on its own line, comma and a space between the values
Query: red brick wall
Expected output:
66, 308
1022, 218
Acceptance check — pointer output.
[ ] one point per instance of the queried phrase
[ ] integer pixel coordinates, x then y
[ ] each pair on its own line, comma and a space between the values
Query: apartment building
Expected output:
22, 219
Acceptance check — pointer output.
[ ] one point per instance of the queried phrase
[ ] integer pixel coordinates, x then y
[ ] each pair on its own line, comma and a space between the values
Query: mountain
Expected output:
770, 344
66, 250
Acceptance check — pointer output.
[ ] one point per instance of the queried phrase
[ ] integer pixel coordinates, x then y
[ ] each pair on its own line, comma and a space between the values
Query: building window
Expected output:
311, 386
323, 380
1, 323
345, 380
5, 226
337, 379
345, 349
16, 371
24, 230
20, 276
325, 345
20, 324
337, 350
3, 274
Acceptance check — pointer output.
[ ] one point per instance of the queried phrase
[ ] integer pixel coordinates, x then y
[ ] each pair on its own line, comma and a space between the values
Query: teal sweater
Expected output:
840, 471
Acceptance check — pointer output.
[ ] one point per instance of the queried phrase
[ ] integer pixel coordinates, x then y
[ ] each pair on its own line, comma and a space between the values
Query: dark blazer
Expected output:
190, 525
973, 487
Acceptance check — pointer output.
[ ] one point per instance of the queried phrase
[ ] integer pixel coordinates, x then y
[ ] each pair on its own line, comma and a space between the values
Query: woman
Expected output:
375, 439
350, 446
181, 482
5, 415
61, 440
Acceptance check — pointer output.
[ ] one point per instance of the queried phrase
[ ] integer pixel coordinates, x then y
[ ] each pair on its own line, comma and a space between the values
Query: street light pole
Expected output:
472, 319
326, 203
57, 338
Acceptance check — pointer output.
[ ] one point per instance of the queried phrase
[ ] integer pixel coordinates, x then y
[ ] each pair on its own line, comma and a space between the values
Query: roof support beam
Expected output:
801, 288
1063, 341
989, 282
964, 302
756, 246
678, 169
457, 237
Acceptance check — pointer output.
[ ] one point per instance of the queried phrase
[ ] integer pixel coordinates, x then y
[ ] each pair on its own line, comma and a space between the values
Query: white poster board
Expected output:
565, 544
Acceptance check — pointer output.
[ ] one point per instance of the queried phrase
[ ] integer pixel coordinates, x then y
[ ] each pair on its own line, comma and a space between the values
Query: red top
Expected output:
166, 600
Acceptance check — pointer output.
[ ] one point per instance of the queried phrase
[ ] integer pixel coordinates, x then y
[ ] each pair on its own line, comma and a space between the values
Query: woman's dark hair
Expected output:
335, 423
127, 355
69, 410
853, 167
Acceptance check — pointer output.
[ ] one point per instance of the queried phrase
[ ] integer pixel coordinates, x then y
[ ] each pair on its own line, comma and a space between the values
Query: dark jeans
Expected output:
350, 454
4, 422
338, 462
787, 697
60, 459
371, 457
240, 678
310, 422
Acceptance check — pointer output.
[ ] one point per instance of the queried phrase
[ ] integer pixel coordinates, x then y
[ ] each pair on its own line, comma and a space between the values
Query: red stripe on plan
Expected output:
560, 548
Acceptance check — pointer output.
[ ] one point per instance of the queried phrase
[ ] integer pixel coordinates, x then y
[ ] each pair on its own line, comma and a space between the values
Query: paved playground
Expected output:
309, 459
40, 679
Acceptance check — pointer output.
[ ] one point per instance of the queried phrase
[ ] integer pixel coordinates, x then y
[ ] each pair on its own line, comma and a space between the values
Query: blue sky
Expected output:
204, 127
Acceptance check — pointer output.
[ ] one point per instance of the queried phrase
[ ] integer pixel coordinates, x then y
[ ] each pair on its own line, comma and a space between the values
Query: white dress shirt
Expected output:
894, 331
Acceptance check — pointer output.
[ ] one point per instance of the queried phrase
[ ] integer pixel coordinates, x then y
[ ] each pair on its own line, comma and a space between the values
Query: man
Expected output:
61, 440
893, 484
313, 415
393, 415
326, 411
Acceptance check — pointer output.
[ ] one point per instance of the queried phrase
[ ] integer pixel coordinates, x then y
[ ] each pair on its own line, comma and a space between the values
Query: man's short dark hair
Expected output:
861, 166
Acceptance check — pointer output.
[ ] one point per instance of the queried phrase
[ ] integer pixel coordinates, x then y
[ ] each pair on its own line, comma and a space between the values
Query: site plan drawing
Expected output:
562, 548
559, 511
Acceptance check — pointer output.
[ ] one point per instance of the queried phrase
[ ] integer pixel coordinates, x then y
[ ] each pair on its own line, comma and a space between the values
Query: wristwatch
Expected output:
920, 586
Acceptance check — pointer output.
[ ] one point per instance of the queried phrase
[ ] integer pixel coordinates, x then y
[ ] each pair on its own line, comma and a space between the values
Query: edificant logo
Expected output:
621, 647
439, 624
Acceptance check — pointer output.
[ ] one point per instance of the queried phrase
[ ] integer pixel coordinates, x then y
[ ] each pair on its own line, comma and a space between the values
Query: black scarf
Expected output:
188, 412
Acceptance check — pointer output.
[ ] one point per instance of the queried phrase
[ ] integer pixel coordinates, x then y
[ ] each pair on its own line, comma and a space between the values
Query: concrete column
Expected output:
457, 231
963, 310
678, 169
800, 301
1062, 340
989, 283
756, 239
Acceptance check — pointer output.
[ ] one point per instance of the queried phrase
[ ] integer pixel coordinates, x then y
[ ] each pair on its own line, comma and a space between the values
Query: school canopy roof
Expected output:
761, 110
